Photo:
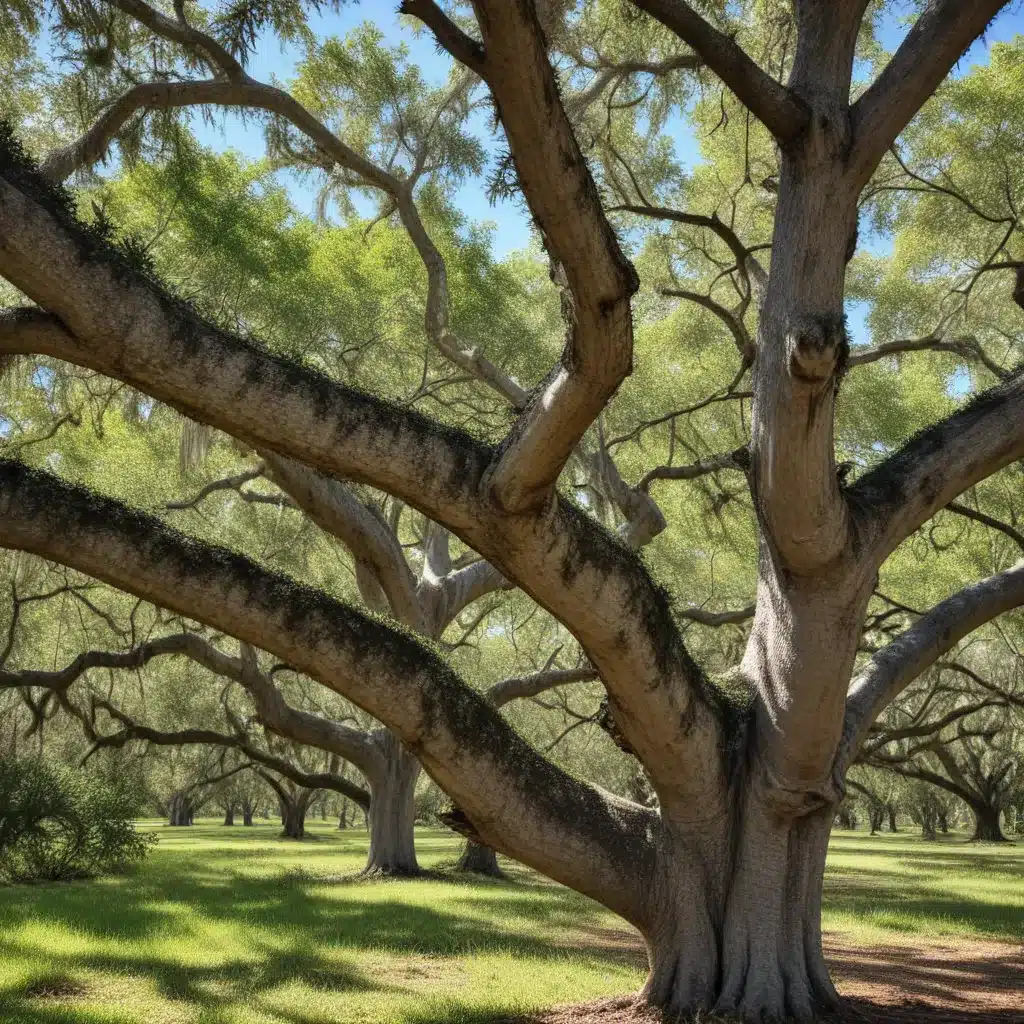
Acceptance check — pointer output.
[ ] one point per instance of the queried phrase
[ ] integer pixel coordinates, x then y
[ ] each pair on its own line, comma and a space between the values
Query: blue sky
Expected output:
511, 226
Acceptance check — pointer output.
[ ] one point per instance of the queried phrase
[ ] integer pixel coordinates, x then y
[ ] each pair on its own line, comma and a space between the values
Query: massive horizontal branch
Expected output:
908, 488
900, 662
120, 324
592, 841
935, 42
775, 106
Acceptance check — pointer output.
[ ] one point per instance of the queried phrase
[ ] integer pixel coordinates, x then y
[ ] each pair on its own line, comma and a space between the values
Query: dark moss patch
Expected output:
884, 489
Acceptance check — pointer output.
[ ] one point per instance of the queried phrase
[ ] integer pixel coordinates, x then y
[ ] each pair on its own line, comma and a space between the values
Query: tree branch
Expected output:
464, 48
775, 106
900, 662
599, 280
511, 794
519, 687
935, 42
132, 730
908, 488
119, 323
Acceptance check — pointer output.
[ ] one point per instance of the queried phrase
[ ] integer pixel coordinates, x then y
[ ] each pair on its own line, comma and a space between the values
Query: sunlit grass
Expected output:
232, 925
882, 888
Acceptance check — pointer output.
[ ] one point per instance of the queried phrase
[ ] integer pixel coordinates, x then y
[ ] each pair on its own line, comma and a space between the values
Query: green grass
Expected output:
884, 887
224, 926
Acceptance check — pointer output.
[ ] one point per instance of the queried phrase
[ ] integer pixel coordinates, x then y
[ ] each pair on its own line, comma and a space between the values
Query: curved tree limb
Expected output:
900, 662
908, 488
593, 841
935, 42
122, 325
600, 281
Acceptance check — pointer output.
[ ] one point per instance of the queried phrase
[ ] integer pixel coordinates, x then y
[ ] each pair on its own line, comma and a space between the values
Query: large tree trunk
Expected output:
343, 814
928, 821
750, 944
179, 809
479, 859
293, 816
229, 814
986, 825
392, 814
248, 809
892, 818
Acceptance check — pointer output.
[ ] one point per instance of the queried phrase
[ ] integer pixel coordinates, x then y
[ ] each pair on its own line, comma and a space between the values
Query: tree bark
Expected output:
750, 945
986, 824
248, 809
179, 810
293, 816
876, 816
392, 814
229, 814
892, 819
480, 859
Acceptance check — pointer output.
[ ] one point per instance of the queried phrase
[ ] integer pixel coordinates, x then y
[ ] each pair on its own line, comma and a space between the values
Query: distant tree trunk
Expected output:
928, 821
392, 814
876, 816
343, 813
247, 812
229, 814
293, 814
943, 817
179, 809
986, 825
845, 819
892, 818
479, 859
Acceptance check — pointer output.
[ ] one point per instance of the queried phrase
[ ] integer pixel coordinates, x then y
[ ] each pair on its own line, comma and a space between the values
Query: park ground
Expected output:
237, 926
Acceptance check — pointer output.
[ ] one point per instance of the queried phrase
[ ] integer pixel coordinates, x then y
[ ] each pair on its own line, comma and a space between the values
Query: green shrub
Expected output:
57, 823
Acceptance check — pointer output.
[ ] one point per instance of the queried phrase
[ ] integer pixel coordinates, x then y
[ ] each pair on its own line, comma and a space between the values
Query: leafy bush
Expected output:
57, 824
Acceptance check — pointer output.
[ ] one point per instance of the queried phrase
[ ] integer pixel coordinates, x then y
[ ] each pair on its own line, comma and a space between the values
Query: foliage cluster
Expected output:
58, 824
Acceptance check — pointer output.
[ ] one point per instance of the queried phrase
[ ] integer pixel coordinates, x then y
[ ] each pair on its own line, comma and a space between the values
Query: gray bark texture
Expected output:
480, 860
392, 814
723, 877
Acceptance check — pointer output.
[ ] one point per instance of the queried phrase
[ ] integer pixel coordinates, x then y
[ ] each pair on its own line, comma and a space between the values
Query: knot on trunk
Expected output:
817, 347
796, 799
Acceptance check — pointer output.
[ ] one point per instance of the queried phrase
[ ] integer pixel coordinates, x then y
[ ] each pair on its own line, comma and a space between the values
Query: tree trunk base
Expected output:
390, 871
987, 830
480, 860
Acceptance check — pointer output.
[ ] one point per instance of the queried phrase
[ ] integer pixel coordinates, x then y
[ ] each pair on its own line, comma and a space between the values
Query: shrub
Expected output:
57, 824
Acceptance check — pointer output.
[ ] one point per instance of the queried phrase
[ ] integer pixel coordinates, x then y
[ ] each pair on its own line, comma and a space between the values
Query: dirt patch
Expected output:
946, 982
55, 986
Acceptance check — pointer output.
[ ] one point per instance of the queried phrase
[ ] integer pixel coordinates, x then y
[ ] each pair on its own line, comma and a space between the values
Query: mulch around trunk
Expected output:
942, 982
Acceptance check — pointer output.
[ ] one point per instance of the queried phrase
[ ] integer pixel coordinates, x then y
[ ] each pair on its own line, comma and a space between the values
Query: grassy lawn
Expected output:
232, 925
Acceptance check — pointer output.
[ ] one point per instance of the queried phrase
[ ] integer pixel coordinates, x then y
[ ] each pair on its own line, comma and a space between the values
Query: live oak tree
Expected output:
958, 730
723, 876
